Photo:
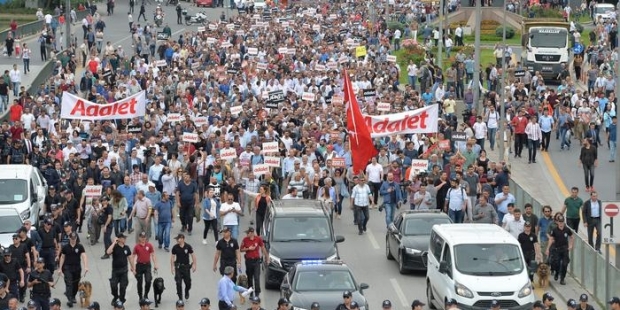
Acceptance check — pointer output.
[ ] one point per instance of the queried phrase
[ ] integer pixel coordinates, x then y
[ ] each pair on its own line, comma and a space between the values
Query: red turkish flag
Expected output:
362, 148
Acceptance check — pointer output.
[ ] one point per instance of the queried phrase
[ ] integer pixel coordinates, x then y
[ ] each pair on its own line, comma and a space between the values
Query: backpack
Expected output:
462, 194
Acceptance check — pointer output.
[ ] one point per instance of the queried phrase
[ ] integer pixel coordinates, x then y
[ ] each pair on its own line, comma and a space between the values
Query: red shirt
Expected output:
92, 66
16, 132
257, 242
143, 252
519, 123
16, 112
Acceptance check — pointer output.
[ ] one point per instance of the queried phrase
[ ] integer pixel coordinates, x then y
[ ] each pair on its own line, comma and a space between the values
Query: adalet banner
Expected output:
74, 107
424, 120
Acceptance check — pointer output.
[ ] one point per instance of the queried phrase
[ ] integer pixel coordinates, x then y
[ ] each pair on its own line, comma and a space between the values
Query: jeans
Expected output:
492, 132
546, 137
16, 88
588, 174
234, 230
163, 234
337, 206
612, 150
118, 226
594, 223
563, 136
389, 213
456, 215
26, 65
533, 146
412, 79
361, 214
107, 238
4, 102
500, 217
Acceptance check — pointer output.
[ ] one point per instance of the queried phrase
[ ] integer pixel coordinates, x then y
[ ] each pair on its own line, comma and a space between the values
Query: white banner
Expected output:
93, 190
228, 153
422, 120
260, 169
190, 137
74, 107
272, 161
201, 120
270, 147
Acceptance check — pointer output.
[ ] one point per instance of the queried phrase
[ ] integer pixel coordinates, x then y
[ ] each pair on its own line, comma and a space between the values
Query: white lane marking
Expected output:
399, 292
373, 240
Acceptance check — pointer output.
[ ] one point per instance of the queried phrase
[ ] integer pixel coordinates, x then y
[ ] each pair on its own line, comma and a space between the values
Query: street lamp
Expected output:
67, 24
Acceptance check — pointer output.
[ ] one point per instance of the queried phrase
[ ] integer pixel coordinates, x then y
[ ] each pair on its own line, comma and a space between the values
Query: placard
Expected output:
291, 51
161, 63
275, 98
319, 67
195, 65
338, 162
332, 65
360, 51
174, 117
211, 40
272, 161
261, 66
444, 144
285, 24
270, 147
253, 51
384, 106
307, 96
316, 27
93, 190
212, 27
369, 92
226, 44
190, 137
236, 110
459, 136
134, 128
230, 26
391, 58
229, 153
343, 59
260, 169
282, 50
337, 100
201, 120
240, 32
201, 29
419, 165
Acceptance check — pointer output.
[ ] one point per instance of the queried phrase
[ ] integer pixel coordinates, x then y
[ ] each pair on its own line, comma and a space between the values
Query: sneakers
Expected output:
106, 256
204, 241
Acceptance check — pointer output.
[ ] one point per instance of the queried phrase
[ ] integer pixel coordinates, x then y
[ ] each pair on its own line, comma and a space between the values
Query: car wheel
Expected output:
388, 253
401, 263
429, 296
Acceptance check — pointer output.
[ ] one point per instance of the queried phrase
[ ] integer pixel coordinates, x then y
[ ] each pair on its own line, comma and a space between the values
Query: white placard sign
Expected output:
391, 58
285, 24
291, 51
253, 51
228, 153
332, 65
230, 26
384, 106
211, 40
260, 169
201, 120
212, 27
272, 161
319, 67
195, 65
190, 137
419, 165
93, 190
307, 96
270, 147
240, 32
261, 66
161, 63
282, 50
226, 44
174, 117
201, 29
236, 110
316, 27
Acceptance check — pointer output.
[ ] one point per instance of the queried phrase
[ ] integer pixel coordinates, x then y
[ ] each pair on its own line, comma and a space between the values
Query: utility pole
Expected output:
475, 85
617, 160
440, 41
67, 24
502, 102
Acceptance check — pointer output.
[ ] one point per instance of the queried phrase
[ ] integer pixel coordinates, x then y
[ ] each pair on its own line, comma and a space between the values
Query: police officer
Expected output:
252, 245
583, 303
614, 303
71, 209
315, 306
121, 260
205, 303
530, 247
283, 304
180, 304
386, 305
145, 259
180, 265
494, 304
538, 305
561, 239
13, 270
227, 253
145, 304
94, 306
52, 198
452, 304
36, 157
255, 303
41, 280
72, 256
547, 300
347, 297
21, 254
119, 305
417, 305
179, 11
55, 304
49, 246
17, 155
571, 304
5, 296
65, 235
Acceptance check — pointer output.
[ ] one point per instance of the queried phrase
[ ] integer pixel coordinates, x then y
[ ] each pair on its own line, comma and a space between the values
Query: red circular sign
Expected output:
612, 210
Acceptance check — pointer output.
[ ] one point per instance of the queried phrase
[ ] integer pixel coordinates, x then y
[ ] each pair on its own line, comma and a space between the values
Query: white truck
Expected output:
546, 46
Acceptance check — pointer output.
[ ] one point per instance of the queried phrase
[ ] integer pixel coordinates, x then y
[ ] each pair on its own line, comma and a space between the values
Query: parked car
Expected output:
23, 189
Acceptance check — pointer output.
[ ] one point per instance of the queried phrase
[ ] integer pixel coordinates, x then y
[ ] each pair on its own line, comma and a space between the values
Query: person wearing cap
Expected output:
72, 257
187, 196
52, 198
255, 304
583, 303
122, 262
94, 306
32, 304
530, 247
614, 302
142, 211
144, 259
164, 213
547, 301
12, 269
5, 295
283, 304
538, 305
205, 303
145, 304
347, 298
227, 252
180, 304
561, 239
55, 304
180, 265
386, 304
49, 244
572, 304
315, 306
40, 281
226, 289
67, 229
253, 245
20, 252
495, 305
452, 304
417, 305
16, 155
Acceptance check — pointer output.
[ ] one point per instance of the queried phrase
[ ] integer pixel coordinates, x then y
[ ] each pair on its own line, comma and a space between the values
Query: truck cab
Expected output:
545, 46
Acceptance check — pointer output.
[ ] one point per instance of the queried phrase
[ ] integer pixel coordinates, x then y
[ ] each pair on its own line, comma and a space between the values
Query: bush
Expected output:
538, 11
510, 32
396, 25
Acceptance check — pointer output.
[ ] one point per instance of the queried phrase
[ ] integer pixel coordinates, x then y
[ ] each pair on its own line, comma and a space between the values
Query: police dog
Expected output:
242, 280
158, 289
85, 290
543, 275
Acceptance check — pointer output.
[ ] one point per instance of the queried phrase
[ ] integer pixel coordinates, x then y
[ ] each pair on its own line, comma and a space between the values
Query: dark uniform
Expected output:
41, 292
182, 267
228, 254
528, 242
11, 268
119, 279
72, 267
560, 255
4, 300
48, 245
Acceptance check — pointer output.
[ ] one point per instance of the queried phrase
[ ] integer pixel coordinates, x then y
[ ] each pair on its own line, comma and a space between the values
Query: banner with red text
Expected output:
74, 107
424, 120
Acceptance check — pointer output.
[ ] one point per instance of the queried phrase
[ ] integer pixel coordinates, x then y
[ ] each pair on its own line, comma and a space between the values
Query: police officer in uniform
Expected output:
315, 306
5, 296
17, 155
36, 157
547, 301
283, 304
49, 246
72, 256
94, 306
145, 304
417, 305
65, 235
41, 280
255, 303
347, 297
227, 253
13, 270
495, 304
205, 303
530, 247
386, 305
561, 239
180, 304
583, 303
121, 260
571, 304
71, 206
180, 265
21, 253
55, 304
119, 305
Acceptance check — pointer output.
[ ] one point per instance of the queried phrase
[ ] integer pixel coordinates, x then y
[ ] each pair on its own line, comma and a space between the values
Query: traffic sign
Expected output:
610, 212
578, 48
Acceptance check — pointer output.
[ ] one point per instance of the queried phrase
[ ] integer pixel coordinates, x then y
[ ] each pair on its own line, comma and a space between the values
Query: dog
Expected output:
158, 289
543, 275
242, 280
85, 290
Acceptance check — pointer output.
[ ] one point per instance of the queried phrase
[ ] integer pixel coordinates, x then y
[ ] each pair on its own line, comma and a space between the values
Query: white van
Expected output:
475, 264
23, 187
605, 11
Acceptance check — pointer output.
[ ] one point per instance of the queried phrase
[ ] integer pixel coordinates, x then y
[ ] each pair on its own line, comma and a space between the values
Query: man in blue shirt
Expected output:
129, 192
226, 289
165, 217
613, 136
546, 126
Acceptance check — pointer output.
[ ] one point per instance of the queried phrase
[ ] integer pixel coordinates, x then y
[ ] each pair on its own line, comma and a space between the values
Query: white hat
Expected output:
151, 184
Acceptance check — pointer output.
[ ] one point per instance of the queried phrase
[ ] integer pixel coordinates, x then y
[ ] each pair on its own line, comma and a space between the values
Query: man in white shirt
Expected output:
27, 120
16, 79
292, 194
397, 35
515, 226
458, 36
361, 200
230, 212
374, 173
480, 131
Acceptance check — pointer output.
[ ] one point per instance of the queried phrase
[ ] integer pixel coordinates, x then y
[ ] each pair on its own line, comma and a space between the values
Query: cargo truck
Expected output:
546, 46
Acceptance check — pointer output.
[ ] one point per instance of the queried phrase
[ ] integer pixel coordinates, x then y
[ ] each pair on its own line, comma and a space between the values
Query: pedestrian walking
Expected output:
164, 213
572, 209
142, 12
187, 197
26, 54
180, 265
592, 211
228, 253
531, 248
561, 240
518, 124
13, 270
122, 262
144, 259
361, 196
72, 259
534, 136
588, 159
142, 211
105, 218
41, 282
226, 289
392, 197
49, 245
210, 212
253, 246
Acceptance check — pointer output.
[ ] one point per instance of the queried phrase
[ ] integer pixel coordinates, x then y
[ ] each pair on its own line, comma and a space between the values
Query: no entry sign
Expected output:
610, 211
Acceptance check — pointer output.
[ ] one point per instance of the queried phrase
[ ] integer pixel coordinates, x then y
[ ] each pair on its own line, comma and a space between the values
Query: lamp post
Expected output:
475, 85
440, 41
502, 104
67, 24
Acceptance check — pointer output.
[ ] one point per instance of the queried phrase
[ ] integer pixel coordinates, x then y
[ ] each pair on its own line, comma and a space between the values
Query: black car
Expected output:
323, 282
408, 237
295, 230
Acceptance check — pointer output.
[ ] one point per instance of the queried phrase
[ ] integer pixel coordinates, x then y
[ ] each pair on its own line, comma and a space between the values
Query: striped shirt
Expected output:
533, 131
361, 195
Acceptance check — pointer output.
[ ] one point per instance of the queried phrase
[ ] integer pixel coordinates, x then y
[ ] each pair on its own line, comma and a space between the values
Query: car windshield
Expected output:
488, 259
13, 191
603, 9
10, 223
321, 280
421, 226
289, 229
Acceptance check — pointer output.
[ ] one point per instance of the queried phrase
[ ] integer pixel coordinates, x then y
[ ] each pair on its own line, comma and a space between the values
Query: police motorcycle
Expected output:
198, 18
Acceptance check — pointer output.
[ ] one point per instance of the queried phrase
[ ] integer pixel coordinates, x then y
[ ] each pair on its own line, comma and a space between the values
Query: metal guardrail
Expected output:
586, 266
35, 27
